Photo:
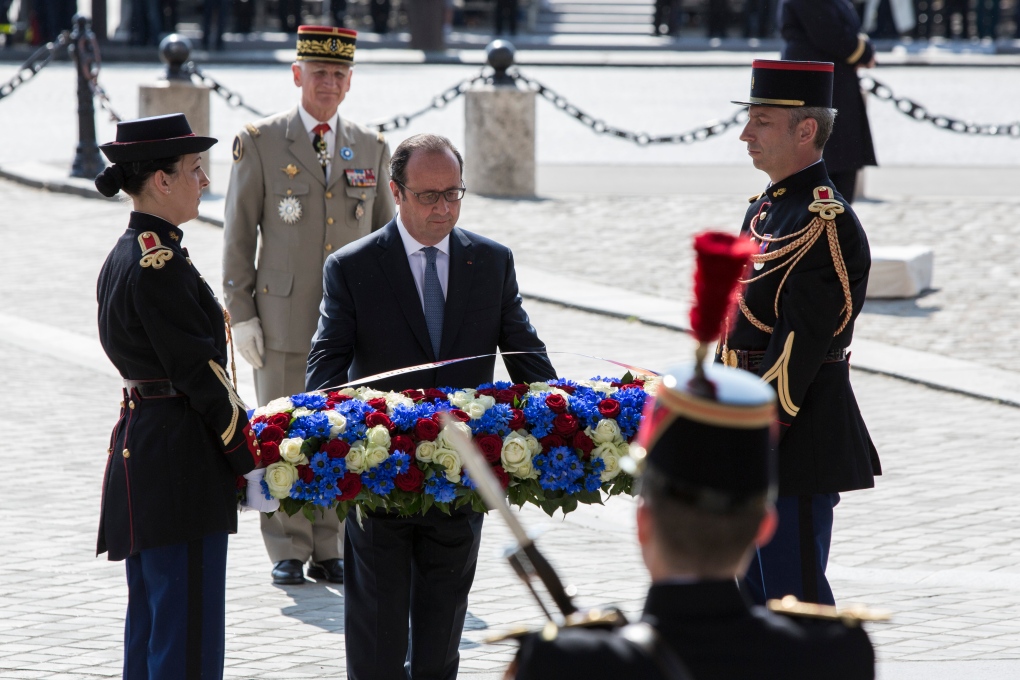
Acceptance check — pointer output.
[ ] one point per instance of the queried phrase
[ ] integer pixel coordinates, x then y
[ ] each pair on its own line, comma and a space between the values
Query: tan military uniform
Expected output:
278, 190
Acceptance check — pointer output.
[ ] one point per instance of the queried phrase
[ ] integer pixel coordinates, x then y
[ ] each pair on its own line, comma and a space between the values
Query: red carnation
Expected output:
413, 480
349, 486
565, 425
501, 475
414, 395
281, 420
379, 404
491, 446
272, 434
457, 414
504, 396
583, 442
306, 473
557, 403
520, 389
426, 429
270, 452
337, 448
433, 393
551, 441
609, 408
402, 443
377, 418
518, 420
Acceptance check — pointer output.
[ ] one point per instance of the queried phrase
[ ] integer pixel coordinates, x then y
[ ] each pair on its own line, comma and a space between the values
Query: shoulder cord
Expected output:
230, 341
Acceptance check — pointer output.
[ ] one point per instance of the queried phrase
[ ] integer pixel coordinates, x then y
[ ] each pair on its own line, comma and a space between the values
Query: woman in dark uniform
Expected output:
169, 492
829, 30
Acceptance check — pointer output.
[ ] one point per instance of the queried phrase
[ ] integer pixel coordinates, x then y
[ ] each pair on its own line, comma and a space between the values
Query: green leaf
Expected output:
309, 512
291, 506
443, 507
627, 378
569, 505
549, 507
427, 502
477, 504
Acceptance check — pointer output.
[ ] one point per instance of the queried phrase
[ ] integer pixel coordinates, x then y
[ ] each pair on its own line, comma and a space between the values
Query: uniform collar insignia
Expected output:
175, 236
778, 192
291, 170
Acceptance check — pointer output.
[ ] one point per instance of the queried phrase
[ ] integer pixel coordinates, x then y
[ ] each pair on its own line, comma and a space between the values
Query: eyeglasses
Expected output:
432, 197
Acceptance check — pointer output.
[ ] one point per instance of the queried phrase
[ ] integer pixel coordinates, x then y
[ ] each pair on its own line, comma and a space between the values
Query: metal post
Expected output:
174, 51
99, 19
87, 161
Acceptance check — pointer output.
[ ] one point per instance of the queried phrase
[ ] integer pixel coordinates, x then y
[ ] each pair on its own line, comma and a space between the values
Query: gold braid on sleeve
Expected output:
844, 278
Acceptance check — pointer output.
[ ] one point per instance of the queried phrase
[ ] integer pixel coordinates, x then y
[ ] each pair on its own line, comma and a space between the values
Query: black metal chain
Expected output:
35, 63
90, 63
232, 98
438, 102
917, 112
700, 134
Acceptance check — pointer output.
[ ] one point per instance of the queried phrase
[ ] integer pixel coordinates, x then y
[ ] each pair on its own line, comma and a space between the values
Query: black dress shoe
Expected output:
288, 573
331, 570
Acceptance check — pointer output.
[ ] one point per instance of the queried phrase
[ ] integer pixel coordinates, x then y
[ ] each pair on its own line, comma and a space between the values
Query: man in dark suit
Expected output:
796, 322
707, 446
417, 291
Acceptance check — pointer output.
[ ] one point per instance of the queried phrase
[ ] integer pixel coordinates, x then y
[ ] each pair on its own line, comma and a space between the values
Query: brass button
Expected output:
109, 451
127, 454
329, 220
364, 195
329, 247
265, 289
122, 404
289, 192
131, 404
329, 194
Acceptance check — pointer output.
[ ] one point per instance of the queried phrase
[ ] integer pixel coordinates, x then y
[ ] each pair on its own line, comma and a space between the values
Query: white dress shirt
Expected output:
416, 258
330, 136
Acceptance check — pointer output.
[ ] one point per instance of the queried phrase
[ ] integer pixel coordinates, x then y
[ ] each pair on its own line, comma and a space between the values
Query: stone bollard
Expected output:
499, 144
177, 93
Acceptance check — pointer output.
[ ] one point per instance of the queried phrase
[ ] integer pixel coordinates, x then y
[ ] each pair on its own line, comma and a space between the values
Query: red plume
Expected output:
719, 262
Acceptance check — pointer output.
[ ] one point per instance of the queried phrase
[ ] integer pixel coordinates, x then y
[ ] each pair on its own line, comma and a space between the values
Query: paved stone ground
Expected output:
938, 541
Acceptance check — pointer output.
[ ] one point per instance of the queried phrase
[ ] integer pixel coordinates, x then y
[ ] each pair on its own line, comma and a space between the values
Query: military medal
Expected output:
359, 211
290, 209
291, 171
346, 153
764, 246
360, 178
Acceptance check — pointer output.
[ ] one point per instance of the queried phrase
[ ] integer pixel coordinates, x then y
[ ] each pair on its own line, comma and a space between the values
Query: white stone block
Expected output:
178, 96
900, 271
499, 141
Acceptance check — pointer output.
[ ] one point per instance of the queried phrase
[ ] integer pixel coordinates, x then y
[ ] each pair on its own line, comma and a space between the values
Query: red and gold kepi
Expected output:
790, 84
326, 43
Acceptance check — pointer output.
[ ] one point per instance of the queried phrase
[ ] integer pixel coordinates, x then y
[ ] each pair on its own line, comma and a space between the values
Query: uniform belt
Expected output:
750, 360
151, 388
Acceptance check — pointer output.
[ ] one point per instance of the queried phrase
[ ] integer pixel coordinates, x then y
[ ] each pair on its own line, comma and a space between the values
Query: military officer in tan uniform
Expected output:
304, 182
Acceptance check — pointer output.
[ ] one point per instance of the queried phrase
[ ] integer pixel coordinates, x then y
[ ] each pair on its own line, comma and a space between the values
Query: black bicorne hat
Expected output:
713, 447
147, 139
326, 43
790, 83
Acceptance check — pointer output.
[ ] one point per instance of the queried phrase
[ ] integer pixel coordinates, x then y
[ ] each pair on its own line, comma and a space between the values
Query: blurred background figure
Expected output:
506, 16
759, 18
951, 8
666, 19
717, 18
244, 16
987, 18
380, 13
53, 16
289, 12
337, 14
830, 30
888, 18
146, 22
213, 10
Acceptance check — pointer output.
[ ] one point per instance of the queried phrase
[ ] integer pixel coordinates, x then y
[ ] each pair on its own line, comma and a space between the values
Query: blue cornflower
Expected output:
257, 428
494, 421
313, 402
337, 468
312, 425
440, 488
593, 481
265, 490
538, 415
540, 462
585, 404
632, 403
401, 461
377, 481
560, 457
404, 417
320, 464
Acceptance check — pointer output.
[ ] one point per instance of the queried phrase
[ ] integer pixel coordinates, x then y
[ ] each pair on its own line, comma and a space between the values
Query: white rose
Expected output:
461, 397
290, 451
374, 455
355, 460
425, 451
516, 456
607, 430
443, 440
378, 436
337, 422
281, 405
279, 478
366, 393
475, 409
603, 387
301, 411
609, 453
539, 387
395, 399
450, 460
533, 445
349, 392
652, 385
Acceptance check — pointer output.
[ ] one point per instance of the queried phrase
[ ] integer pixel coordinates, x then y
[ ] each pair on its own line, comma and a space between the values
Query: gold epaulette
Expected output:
593, 618
380, 138
755, 198
252, 130
850, 616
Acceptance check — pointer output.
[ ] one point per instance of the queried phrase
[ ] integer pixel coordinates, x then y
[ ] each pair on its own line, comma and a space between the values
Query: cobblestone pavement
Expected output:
938, 541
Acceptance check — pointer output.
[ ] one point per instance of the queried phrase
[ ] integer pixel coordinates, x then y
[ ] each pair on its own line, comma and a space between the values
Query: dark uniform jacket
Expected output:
371, 318
795, 309
829, 30
716, 633
174, 459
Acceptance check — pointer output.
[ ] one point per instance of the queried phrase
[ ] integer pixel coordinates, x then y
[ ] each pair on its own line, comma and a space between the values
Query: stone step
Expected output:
900, 271
594, 29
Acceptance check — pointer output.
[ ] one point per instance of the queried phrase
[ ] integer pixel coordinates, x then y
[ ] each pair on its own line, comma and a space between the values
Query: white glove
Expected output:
248, 340
255, 500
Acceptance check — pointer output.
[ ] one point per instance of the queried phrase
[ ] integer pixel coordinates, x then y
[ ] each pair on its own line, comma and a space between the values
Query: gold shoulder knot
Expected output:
380, 138
154, 253
593, 618
754, 198
850, 616
825, 203
252, 130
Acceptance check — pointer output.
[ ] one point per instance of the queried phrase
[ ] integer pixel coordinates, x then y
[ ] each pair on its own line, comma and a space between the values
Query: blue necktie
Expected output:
435, 303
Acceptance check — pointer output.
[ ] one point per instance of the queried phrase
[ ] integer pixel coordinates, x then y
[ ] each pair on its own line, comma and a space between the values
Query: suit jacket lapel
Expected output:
301, 147
393, 260
458, 288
